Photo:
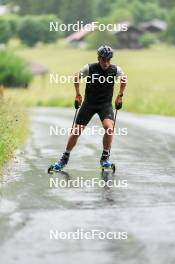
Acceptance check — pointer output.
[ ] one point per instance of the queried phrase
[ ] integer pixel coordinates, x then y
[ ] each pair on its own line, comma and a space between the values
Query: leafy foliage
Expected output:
146, 11
97, 38
5, 30
33, 29
146, 40
13, 71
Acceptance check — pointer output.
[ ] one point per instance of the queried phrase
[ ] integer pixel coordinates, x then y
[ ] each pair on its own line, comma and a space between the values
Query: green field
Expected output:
150, 74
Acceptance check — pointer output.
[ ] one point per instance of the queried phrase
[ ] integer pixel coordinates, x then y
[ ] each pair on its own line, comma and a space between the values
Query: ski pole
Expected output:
115, 117
77, 104
117, 107
75, 116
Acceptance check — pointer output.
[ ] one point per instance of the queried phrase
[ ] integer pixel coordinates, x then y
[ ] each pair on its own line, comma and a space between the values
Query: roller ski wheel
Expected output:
108, 167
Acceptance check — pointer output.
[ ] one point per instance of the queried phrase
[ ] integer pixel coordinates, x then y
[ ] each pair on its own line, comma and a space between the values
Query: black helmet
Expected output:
105, 52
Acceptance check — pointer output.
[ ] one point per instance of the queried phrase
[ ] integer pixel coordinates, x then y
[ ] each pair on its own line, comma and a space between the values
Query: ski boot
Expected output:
58, 166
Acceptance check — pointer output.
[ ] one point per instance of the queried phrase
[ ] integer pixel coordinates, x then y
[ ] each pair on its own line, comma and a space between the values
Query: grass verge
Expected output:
13, 128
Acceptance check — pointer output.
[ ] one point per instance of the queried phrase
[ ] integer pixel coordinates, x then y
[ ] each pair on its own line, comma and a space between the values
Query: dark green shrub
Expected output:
13, 71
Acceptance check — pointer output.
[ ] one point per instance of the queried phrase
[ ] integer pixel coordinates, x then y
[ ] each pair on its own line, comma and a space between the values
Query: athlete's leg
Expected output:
108, 136
72, 140
84, 116
107, 118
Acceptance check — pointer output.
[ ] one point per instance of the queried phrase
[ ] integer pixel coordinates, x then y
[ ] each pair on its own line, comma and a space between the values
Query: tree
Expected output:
33, 29
170, 32
147, 11
167, 4
77, 10
5, 30
119, 15
3, 2
103, 8
45, 35
13, 21
37, 6
29, 30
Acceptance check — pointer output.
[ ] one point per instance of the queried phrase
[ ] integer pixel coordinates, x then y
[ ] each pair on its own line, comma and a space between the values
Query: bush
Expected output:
97, 38
146, 40
13, 71
33, 29
5, 30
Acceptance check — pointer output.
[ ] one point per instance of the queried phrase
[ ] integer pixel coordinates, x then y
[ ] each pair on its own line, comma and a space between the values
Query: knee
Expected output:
108, 129
107, 125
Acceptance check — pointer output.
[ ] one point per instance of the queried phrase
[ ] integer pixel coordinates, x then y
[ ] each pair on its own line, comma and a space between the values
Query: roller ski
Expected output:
106, 165
58, 166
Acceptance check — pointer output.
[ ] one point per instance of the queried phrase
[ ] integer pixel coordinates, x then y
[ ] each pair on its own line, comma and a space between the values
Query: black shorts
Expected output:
87, 111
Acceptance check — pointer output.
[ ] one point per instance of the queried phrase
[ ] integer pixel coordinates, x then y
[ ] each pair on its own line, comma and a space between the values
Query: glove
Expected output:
118, 103
78, 100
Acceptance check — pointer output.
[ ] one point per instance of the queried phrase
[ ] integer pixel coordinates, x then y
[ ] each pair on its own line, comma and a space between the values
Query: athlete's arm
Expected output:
82, 73
123, 81
77, 83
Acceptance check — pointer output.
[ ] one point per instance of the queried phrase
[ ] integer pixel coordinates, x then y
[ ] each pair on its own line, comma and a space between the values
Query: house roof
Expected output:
77, 36
130, 26
117, 26
140, 28
156, 23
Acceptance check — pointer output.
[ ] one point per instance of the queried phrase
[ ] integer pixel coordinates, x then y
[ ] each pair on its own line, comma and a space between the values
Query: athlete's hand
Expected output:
78, 100
118, 102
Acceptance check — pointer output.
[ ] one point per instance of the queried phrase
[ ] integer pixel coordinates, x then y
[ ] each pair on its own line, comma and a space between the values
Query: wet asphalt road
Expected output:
145, 209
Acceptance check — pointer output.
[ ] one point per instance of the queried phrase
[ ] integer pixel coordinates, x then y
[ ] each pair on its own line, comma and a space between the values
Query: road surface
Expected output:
31, 210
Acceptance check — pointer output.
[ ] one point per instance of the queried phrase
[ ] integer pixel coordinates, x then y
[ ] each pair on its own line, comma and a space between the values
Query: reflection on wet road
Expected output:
30, 208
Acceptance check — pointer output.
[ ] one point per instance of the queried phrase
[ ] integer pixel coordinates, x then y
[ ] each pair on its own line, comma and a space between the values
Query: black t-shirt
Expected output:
100, 83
